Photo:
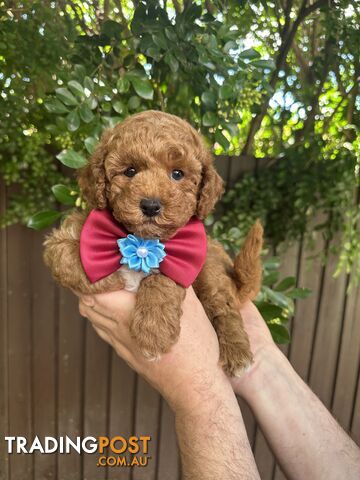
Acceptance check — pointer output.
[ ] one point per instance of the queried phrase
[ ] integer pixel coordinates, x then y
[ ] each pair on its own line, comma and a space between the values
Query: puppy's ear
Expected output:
92, 179
211, 188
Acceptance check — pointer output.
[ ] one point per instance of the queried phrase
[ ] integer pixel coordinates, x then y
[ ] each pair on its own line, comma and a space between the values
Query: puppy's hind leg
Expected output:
217, 292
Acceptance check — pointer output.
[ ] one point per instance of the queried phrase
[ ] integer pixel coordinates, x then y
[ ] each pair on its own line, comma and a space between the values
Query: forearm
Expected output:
305, 438
212, 437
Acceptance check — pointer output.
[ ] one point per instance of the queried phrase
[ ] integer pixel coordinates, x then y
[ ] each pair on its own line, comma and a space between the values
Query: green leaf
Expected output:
71, 159
112, 29
90, 144
119, 107
123, 85
278, 298
225, 92
110, 122
143, 87
76, 88
221, 139
209, 119
73, 121
250, 53
85, 113
154, 52
285, 284
160, 40
172, 62
271, 263
171, 34
134, 103
209, 99
265, 64
55, 106
299, 293
62, 193
230, 45
232, 128
91, 102
66, 97
279, 333
43, 219
271, 278
89, 84
269, 311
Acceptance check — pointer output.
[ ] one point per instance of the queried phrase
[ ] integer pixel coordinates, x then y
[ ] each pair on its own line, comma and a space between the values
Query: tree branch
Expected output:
177, 6
281, 58
106, 9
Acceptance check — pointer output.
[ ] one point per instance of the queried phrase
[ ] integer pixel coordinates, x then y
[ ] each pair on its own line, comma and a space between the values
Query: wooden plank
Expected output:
20, 335
147, 423
355, 421
304, 324
4, 413
44, 315
249, 421
263, 455
240, 165
347, 371
168, 456
122, 399
97, 362
289, 268
326, 344
71, 343
222, 165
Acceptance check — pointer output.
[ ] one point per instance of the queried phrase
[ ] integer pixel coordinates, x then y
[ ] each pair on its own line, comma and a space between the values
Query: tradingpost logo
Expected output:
117, 451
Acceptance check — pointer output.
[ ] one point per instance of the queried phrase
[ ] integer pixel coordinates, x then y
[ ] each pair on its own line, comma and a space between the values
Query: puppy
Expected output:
152, 174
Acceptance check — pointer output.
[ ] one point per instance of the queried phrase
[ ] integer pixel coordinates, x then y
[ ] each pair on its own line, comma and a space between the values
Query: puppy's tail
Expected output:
247, 264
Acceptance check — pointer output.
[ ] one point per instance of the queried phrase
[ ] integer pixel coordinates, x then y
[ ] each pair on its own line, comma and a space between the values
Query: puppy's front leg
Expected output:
155, 325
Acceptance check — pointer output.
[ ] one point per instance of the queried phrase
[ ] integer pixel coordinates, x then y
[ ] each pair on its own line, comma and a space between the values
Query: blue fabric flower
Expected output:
140, 254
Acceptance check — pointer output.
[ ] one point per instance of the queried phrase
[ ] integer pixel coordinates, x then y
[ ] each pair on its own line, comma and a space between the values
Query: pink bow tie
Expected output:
183, 258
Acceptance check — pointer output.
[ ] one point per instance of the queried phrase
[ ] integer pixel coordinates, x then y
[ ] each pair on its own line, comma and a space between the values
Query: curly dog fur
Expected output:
155, 143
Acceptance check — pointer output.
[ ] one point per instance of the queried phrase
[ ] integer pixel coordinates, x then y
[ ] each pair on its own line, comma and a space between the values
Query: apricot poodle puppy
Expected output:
153, 174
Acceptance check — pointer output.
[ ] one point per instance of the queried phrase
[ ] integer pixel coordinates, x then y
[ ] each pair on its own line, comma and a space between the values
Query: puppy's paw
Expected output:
235, 359
150, 357
154, 336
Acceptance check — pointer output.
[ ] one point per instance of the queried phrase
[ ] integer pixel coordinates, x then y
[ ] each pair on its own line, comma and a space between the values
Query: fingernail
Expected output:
88, 300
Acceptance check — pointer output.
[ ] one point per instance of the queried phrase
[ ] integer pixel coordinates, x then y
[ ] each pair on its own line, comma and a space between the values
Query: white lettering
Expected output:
9, 440
93, 445
48, 448
20, 445
36, 445
76, 446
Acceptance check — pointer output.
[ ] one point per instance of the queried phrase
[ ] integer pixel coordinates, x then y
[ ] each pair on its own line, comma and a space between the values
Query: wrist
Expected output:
268, 362
194, 396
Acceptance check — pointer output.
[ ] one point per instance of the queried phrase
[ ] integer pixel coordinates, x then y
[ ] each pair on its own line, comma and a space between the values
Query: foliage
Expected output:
276, 299
278, 80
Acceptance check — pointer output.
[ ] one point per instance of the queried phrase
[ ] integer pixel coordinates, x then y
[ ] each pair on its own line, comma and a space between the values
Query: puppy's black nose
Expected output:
150, 206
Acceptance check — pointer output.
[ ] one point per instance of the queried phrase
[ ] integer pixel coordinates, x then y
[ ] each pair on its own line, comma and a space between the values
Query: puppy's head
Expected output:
154, 173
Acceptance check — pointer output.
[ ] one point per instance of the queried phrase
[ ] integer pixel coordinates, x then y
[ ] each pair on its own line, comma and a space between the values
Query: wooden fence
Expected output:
58, 378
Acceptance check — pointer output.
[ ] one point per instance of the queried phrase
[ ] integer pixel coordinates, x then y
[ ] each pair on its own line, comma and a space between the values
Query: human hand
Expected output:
262, 346
189, 373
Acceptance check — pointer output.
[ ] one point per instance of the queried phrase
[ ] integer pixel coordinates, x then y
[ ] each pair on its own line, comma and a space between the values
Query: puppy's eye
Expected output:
130, 172
177, 174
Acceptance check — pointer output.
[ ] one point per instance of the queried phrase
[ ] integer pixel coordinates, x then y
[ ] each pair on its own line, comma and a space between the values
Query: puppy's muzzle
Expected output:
150, 206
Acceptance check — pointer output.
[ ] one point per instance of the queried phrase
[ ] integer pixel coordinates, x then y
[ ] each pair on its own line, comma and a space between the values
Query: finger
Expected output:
119, 347
103, 334
118, 331
96, 317
114, 304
